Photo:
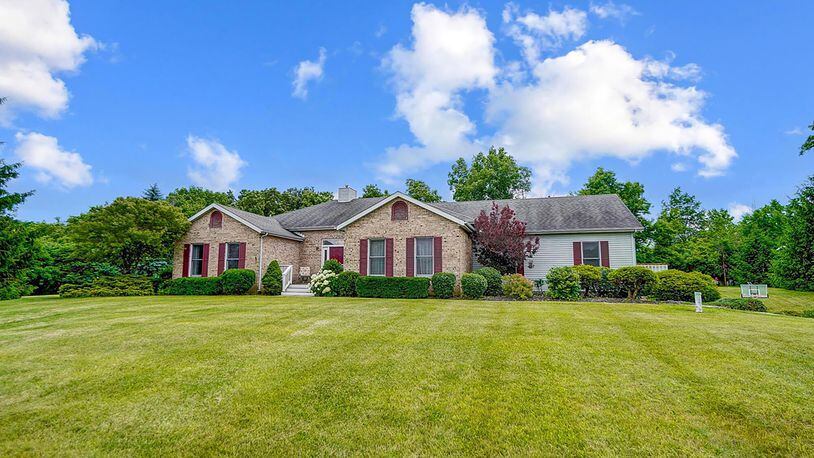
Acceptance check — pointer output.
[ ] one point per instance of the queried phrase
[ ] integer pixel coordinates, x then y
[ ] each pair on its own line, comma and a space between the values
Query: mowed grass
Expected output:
779, 299
259, 375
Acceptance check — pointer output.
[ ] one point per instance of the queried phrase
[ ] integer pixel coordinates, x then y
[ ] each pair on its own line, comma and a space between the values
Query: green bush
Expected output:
517, 286
273, 279
675, 285
393, 287
119, 285
590, 279
473, 286
494, 282
808, 313
563, 284
193, 286
237, 281
443, 285
738, 303
323, 284
345, 283
633, 279
334, 266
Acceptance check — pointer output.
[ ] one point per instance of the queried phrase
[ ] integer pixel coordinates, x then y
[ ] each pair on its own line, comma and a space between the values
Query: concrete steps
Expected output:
297, 290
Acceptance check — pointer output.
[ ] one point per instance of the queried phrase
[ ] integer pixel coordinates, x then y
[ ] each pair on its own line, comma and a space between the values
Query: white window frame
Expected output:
326, 245
431, 256
192, 258
369, 258
598, 250
226, 257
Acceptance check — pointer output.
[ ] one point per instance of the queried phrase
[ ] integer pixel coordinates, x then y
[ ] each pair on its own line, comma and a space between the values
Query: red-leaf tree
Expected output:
500, 240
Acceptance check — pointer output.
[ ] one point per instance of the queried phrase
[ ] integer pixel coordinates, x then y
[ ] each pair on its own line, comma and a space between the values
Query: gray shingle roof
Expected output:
556, 214
265, 223
548, 214
325, 215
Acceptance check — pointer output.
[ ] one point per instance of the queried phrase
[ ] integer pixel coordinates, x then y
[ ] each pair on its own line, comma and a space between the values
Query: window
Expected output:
375, 254
424, 265
232, 255
216, 219
196, 260
399, 211
590, 254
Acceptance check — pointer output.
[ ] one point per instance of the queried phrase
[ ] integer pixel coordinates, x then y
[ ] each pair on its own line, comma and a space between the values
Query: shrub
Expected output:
517, 286
675, 285
193, 286
443, 285
632, 279
119, 285
494, 282
334, 266
473, 286
345, 283
808, 313
237, 281
563, 284
590, 279
393, 287
273, 279
738, 303
322, 284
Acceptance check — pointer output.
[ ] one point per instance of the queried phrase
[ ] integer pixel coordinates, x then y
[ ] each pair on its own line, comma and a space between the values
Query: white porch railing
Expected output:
655, 267
288, 276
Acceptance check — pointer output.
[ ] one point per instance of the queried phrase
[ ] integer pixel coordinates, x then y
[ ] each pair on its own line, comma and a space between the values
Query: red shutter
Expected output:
241, 263
362, 257
577, 253
437, 255
604, 253
410, 257
205, 268
185, 268
221, 257
388, 257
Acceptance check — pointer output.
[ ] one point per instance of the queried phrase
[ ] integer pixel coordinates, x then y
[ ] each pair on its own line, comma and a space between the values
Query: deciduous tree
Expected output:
500, 240
808, 145
494, 175
15, 240
794, 265
193, 199
373, 190
420, 190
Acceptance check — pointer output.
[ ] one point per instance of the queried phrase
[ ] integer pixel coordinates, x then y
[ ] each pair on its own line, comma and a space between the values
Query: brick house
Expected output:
400, 236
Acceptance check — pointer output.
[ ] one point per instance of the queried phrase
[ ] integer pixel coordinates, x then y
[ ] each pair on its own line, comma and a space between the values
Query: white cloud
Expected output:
307, 71
43, 154
679, 167
37, 41
533, 32
607, 10
738, 211
216, 167
795, 131
451, 52
592, 102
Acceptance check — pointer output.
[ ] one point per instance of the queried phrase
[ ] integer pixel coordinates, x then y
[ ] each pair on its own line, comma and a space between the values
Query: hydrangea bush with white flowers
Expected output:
322, 283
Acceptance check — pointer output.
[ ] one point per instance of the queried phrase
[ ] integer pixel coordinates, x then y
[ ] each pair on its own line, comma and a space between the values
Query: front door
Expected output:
338, 253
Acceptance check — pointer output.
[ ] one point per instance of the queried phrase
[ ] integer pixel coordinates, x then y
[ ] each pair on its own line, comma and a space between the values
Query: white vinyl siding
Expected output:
558, 250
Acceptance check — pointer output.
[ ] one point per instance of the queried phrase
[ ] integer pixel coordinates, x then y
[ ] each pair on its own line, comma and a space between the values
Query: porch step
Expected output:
298, 290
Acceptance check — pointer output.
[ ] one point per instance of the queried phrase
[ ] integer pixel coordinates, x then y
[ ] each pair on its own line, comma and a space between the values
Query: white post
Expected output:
698, 307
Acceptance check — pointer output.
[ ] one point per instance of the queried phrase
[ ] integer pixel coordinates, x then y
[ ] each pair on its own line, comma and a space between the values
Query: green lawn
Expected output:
779, 299
258, 375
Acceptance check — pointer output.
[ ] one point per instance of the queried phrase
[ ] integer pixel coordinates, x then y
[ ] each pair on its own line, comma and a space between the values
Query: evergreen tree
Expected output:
153, 193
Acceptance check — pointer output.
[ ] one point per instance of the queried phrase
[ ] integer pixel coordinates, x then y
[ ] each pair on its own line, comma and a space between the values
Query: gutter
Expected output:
260, 266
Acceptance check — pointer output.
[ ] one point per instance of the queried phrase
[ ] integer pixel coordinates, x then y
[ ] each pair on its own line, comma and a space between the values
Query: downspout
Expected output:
260, 267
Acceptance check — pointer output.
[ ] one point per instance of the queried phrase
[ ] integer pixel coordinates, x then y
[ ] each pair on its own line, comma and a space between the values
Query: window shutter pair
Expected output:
604, 253
388, 257
437, 255
205, 263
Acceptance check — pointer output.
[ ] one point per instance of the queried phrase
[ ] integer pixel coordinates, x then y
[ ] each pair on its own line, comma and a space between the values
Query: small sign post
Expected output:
698, 307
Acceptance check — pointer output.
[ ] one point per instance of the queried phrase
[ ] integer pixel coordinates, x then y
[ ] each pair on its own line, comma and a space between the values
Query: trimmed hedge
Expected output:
517, 286
443, 285
590, 279
473, 286
193, 286
237, 281
633, 279
118, 285
345, 283
563, 284
738, 303
394, 287
494, 282
273, 279
676, 285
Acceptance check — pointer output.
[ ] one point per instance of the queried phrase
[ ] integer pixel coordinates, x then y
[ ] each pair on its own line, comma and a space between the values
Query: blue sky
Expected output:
179, 93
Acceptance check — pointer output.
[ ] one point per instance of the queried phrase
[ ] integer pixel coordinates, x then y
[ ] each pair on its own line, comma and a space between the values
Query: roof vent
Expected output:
346, 194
